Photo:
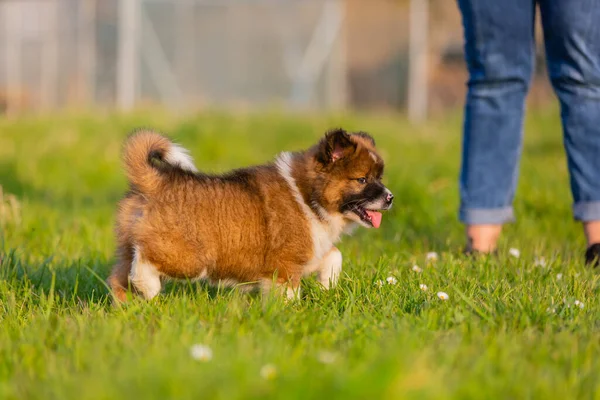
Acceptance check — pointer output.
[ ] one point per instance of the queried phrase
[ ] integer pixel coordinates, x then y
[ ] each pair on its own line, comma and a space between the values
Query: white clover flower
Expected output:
268, 371
431, 256
201, 352
423, 287
559, 277
326, 357
379, 283
516, 253
391, 280
540, 262
417, 269
579, 304
443, 295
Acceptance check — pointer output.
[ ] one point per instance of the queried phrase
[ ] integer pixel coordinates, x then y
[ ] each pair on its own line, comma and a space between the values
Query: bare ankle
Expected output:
483, 238
592, 232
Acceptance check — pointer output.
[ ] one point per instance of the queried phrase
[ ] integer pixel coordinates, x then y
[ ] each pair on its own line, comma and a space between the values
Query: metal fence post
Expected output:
87, 50
418, 74
50, 58
337, 69
317, 53
13, 48
185, 49
128, 54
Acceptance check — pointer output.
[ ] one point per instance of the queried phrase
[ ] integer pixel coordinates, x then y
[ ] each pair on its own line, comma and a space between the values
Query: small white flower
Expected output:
391, 280
443, 295
417, 269
326, 357
551, 310
431, 256
579, 304
423, 287
540, 262
379, 283
201, 352
268, 371
514, 252
559, 277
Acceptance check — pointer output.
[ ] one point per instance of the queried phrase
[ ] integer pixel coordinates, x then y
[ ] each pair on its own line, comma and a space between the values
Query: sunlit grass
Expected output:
511, 327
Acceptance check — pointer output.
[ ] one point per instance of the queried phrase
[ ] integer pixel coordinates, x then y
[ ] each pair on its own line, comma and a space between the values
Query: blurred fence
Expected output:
58, 52
314, 54
231, 52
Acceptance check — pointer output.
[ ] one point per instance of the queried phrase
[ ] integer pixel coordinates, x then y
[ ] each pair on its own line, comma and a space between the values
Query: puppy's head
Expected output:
349, 178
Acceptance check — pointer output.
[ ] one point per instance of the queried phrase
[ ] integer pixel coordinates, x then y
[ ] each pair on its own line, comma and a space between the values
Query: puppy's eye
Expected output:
362, 181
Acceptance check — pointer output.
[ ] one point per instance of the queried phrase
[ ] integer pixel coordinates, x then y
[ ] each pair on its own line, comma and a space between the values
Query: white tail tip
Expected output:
180, 157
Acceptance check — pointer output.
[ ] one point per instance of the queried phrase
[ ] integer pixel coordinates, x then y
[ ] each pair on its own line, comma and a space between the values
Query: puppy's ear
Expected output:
335, 145
366, 136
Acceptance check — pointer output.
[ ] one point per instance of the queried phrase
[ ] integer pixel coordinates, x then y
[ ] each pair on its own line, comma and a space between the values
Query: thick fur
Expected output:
263, 226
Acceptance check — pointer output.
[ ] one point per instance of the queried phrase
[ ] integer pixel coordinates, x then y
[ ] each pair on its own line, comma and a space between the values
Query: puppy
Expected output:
264, 226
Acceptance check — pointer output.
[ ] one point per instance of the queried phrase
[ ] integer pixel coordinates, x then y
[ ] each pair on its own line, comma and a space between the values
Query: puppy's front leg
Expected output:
330, 268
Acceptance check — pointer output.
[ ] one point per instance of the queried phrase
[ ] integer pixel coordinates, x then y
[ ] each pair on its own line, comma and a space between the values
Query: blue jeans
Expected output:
500, 49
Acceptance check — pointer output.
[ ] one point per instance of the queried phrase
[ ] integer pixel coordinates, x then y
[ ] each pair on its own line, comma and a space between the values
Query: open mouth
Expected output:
370, 217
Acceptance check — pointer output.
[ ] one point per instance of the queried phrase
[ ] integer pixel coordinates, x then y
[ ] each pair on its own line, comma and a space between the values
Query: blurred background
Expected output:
396, 55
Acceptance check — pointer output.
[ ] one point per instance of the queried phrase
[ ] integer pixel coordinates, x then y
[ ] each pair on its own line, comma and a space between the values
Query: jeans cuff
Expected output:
587, 211
479, 216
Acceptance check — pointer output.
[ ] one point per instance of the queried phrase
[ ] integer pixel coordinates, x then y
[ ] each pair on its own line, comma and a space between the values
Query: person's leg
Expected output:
592, 235
572, 39
499, 50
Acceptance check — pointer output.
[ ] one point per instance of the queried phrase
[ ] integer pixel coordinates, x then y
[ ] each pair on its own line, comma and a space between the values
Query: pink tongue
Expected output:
375, 218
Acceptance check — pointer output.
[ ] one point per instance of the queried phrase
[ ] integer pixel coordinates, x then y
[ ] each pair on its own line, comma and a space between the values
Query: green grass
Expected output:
496, 337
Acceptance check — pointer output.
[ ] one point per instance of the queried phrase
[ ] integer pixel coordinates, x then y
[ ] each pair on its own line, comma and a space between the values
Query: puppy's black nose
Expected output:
389, 198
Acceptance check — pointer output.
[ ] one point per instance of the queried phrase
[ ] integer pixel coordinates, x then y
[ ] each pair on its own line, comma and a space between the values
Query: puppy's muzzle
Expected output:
388, 199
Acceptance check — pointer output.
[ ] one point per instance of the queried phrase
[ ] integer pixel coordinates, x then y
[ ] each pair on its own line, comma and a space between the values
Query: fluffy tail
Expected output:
142, 150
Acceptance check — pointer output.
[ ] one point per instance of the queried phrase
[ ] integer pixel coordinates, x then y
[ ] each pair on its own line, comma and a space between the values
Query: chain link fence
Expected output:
307, 54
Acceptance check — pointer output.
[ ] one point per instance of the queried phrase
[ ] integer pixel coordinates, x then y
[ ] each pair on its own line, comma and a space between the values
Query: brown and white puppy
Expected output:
263, 225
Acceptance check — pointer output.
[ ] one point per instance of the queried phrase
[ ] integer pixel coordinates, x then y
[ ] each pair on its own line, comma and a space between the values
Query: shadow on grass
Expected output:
84, 281
77, 281
81, 285
180, 288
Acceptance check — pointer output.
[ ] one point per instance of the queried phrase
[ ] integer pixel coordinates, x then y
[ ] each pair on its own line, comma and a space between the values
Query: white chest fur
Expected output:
326, 231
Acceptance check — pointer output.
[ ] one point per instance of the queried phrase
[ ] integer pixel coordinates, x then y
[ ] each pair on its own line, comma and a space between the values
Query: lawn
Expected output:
512, 327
